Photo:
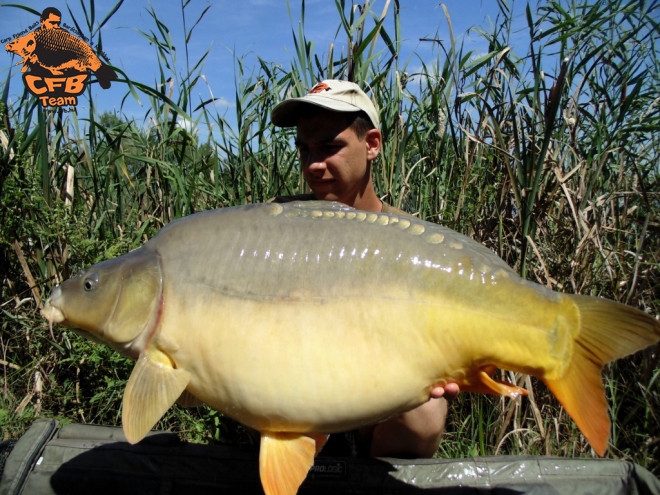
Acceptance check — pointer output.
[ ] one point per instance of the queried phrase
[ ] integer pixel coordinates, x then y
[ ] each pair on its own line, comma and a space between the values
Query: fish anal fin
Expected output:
487, 385
284, 461
154, 385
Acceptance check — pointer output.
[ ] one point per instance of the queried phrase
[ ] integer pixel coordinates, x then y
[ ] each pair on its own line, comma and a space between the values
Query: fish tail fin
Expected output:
105, 75
608, 331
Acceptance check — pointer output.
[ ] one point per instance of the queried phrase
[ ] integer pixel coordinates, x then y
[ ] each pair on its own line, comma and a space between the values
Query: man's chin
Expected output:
324, 194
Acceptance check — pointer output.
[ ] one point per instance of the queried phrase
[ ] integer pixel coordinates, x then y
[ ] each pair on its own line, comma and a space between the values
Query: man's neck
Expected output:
365, 198
369, 202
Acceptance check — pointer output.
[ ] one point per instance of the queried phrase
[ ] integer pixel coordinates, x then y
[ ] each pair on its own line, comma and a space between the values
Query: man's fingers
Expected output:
449, 391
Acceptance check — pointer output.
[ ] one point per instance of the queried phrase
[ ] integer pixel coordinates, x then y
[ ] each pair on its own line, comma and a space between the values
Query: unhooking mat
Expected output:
96, 460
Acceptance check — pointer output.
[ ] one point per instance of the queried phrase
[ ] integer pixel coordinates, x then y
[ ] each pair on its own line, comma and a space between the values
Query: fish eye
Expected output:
91, 281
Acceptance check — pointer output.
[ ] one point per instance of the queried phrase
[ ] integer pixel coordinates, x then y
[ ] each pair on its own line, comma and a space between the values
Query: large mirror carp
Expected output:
304, 319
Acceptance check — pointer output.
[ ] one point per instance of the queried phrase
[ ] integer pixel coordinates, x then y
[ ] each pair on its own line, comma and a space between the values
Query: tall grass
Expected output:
548, 154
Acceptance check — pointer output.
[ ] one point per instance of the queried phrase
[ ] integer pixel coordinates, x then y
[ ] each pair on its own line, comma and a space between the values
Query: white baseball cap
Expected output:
335, 95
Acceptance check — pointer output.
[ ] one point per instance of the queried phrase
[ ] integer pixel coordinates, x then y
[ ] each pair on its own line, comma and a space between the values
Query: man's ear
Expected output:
374, 140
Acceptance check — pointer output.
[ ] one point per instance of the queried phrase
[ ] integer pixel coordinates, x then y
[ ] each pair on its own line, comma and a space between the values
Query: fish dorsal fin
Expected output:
284, 460
186, 399
154, 385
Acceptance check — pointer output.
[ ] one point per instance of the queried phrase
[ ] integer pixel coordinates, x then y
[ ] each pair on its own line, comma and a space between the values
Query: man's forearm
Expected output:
413, 434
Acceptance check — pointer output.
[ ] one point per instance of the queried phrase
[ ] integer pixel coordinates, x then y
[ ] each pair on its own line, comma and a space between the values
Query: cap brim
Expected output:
286, 114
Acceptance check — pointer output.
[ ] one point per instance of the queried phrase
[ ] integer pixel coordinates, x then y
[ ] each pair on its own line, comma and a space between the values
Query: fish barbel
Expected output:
304, 319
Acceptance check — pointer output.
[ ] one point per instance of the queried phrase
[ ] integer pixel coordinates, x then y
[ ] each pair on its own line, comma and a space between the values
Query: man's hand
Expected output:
449, 391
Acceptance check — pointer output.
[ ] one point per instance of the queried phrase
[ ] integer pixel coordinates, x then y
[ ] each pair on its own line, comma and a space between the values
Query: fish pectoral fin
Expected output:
186, 399
487, 385
284, 460
154, 385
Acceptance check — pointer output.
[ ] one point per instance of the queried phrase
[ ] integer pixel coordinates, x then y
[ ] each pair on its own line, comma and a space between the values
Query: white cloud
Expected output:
188, 125
223, 103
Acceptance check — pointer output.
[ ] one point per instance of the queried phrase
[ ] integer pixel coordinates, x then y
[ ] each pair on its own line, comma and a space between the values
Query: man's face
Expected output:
53, 21
335, 163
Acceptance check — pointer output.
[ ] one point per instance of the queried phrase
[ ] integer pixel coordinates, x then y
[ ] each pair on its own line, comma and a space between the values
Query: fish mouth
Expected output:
52, 314
50, 311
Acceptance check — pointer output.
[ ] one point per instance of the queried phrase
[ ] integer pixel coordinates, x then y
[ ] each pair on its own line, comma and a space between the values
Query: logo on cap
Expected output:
319, 88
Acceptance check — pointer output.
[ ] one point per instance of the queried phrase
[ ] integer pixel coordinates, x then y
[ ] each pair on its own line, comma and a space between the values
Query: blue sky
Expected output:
242, 28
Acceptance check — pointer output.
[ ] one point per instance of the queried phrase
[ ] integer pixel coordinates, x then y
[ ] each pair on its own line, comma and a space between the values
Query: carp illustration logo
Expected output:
58, 62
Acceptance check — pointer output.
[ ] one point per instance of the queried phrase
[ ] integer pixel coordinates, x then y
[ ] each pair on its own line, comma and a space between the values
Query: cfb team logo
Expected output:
58, 62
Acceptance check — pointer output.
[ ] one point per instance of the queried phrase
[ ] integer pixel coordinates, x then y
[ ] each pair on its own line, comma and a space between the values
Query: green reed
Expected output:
546, 153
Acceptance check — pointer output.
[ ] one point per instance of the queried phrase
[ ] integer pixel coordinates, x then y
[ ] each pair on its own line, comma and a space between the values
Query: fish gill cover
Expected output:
56, 63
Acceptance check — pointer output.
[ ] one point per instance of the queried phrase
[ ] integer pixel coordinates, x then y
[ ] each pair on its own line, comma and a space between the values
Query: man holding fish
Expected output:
338, 137
306, 319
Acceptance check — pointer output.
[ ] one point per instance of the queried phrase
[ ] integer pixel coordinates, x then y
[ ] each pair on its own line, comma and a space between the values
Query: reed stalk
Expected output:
547, 154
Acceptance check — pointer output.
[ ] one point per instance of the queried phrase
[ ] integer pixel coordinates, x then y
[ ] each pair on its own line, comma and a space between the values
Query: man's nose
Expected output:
315, 163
